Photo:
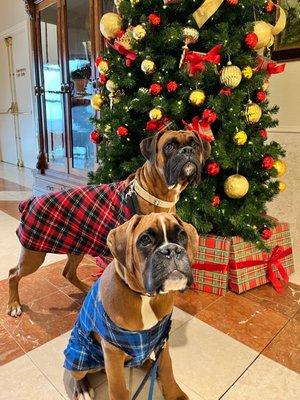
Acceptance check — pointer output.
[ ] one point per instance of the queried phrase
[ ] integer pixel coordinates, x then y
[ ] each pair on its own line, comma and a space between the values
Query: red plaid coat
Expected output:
73, 221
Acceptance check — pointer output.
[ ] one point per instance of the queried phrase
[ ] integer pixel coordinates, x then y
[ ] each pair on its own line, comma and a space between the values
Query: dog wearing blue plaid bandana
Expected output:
127, 314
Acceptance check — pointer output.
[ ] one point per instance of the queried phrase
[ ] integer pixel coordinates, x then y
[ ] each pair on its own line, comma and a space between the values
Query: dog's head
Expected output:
154, 252
178, 156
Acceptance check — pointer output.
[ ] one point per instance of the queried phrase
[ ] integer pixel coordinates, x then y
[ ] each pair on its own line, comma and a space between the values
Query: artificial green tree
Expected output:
154, 59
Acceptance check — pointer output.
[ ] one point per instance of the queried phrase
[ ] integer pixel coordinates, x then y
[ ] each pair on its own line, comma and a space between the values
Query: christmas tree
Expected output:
194, 64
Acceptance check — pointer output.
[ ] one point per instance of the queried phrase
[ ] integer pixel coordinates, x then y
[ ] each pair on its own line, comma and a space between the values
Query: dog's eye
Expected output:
145, 240
169, 147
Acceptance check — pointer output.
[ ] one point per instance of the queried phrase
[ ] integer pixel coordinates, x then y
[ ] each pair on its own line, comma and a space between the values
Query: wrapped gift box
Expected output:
250, 267
232, 263
210, 270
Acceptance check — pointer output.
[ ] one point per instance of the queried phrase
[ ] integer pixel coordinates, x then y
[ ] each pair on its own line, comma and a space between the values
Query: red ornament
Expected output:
266, 233
98, 60
261, 96
263, 133
232, 2
122, 131
154, 19
172, 86
225, 91
102, 79
156, 88
95, 137
270, 6
215, 201
267, 162
251, 39
212, 168
209, 116
120, 33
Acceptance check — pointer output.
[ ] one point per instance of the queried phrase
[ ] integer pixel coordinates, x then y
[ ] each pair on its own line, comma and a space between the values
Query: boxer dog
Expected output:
128, 310
77, 221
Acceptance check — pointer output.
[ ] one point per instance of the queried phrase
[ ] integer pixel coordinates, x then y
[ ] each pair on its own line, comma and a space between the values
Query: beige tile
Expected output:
21, 176
13, 195
266, 380
206, 360
21, 379
179, 318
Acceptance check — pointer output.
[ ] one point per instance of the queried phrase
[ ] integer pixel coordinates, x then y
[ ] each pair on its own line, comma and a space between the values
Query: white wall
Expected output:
12, 13
285, 92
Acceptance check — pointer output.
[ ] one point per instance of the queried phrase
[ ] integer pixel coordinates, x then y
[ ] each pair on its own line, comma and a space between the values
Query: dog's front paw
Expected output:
83, 391
14, 309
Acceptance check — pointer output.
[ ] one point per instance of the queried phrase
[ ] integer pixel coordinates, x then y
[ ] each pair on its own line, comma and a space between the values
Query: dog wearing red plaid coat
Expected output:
77, 221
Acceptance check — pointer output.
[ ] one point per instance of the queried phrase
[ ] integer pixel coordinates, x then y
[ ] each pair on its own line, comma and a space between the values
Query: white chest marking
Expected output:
148, 317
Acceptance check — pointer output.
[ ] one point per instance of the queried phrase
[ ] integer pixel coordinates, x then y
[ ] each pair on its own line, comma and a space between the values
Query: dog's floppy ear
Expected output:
119, 240
148, 147
206, 149
192, 237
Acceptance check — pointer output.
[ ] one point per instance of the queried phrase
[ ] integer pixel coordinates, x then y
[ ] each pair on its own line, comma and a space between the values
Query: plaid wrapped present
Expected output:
210, 271
250, 267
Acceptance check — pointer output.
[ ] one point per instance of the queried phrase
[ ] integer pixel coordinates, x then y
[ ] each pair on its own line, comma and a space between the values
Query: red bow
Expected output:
269, 65
197, 60
130, 55
277, 254
160, 125
202, 129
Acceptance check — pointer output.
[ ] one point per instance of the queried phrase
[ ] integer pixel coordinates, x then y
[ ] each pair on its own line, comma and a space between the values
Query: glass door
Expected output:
51, 78
80, 88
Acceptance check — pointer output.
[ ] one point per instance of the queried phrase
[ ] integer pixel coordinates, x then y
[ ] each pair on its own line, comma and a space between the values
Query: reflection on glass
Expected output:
80, 72
52, 85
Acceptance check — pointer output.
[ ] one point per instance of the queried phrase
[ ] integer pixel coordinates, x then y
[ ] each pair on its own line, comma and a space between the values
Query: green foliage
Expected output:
163, 44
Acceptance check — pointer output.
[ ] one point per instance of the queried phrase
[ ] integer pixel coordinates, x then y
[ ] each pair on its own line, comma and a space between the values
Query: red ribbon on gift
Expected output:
277, 254
197, 60
210, 266
130, 55
201, 128
270, 66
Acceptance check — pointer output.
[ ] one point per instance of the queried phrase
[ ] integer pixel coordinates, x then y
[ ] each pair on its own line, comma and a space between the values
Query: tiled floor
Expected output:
236, 347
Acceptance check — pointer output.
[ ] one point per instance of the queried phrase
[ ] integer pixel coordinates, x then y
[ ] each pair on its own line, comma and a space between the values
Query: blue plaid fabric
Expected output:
84, 353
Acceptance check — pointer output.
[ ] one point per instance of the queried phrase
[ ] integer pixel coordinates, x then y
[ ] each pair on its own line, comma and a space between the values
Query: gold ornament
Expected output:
247, 72
190, 35
231, 75
134, 2
110, 25
281, 186
103, 67
148, 66
280, 167
97, 101
139, 32
236, 186
197, 97
155, 114
111, 86
240, 138
252, 113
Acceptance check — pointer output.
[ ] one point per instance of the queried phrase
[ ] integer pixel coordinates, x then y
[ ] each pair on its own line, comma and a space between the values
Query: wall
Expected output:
12, 13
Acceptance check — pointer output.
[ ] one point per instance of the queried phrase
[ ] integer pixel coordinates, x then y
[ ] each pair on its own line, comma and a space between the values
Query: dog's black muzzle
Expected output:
169, 261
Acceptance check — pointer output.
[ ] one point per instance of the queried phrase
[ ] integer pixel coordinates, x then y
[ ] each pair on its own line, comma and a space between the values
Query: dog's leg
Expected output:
114, 359
29, 262
82, 389
166, 380
70, 269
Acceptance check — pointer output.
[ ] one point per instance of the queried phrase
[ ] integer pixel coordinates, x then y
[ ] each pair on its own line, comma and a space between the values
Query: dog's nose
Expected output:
171, 250
187, 151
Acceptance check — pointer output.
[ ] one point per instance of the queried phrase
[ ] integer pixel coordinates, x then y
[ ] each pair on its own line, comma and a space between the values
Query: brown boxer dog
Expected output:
152, 258
174, 160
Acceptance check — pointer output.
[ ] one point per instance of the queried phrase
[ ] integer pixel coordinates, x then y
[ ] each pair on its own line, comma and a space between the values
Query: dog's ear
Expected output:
192, 238
148, 147
120, 241
206, 150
